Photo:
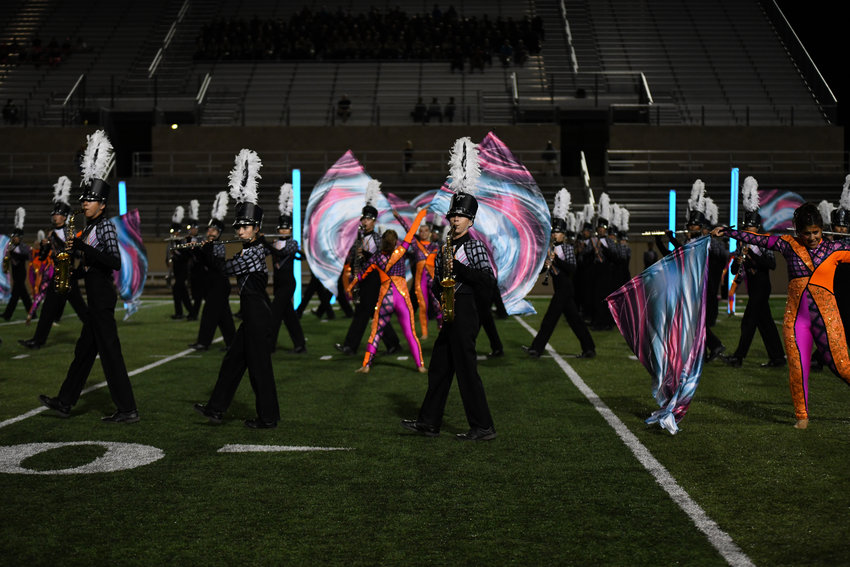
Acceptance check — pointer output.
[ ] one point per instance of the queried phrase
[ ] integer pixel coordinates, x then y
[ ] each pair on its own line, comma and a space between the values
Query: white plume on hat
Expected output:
194, 209
244, 175
587, 213
572, 222
96, 158
562, 204
615, 214
826, 208
623, 223
463, 166
712, 214
750, 195
219, 209
178, 214
697, 200
605, 206
20, 215
39, 236
373, 192
62, 191
285, 199
844, 202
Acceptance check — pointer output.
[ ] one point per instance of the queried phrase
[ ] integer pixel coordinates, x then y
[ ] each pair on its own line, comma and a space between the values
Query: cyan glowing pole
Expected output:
122, 197
733, 221
296, 230
671, 215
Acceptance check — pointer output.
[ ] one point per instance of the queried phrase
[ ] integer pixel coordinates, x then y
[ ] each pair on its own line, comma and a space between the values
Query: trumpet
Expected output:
448, 282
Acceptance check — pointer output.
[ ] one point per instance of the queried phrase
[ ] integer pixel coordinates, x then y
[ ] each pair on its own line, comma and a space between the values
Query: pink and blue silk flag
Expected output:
130, 280
512, 222
5, 277
777, 209
661, 314
333, 215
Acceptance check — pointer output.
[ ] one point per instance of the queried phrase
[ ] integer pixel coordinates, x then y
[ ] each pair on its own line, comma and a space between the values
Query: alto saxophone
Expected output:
448, 282
62, 261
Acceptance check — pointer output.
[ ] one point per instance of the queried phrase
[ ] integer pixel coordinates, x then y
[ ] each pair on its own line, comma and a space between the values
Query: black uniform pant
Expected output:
180, 294
454, 354
341, 300
197, 284
217, 313
251, 351
99, 336
757, 316
562, 302
19, 292
54, 304
315, 287
364, 312
485, 319
284, 313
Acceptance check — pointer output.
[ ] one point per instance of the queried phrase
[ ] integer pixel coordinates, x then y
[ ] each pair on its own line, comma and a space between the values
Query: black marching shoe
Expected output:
774, 363
344, 349
212, 415
530, 351
258, 423
29, 343
496, 353
393, 349
420, 427
299, 350
199, 346
55, 405
177, 316
733, 361
714, 353
122, 417
477, 434
587, 354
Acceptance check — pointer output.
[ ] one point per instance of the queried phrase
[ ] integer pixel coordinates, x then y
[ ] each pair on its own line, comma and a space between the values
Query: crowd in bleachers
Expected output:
34, 51
377, 34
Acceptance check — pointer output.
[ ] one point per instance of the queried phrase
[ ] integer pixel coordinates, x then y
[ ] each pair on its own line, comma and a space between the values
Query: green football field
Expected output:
575, 477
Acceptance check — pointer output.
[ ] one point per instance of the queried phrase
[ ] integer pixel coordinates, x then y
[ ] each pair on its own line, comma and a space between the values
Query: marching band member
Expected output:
15, 260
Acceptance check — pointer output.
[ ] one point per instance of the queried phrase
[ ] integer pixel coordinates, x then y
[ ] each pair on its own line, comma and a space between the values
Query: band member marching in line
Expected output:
16, 257
367, 244
621, 274
560, 266
754, 264
283, 252
462, 266
599, 253
197, 268
393, 296
251, 346
98, 245
212, 255
811, 315
178, 261
63, 286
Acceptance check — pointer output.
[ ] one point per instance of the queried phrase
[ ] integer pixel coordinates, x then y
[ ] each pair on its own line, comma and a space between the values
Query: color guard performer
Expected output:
251, 346
462, 267
98, 245
367, 244
178, 261
840, 220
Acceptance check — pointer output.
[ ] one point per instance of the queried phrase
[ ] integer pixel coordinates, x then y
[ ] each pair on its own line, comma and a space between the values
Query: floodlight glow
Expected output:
733, 221
174, 126
671, 215
296, 230
122, 197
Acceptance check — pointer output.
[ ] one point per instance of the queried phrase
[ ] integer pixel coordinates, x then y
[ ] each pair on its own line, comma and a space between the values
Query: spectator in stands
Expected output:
420, 111
506, 53
550, 158
343, 108
449, 110
434, 110
10, 113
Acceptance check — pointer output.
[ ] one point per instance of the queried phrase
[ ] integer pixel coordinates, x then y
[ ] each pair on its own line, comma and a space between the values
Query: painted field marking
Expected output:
720, 540
99, 385
326, 357
20, 356
236, 448
402, 357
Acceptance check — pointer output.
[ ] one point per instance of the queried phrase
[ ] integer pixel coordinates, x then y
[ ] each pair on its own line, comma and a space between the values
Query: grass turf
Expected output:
556, 487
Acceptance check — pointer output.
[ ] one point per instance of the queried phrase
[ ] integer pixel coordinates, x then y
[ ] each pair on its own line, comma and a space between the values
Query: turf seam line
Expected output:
94, 387
719, 539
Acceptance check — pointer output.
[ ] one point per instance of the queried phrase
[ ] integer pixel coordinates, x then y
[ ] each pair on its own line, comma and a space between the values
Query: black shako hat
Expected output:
463, 205
247, 214
215, 223
840, 217
559, 225
284, 221
60, 208
752, 219
369, 212
97, 190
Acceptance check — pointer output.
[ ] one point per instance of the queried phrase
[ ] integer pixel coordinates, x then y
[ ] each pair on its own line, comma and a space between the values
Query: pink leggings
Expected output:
394, 301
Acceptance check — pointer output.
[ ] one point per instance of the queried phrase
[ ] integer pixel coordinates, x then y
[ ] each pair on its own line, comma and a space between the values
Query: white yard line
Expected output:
99, 385
719, 539
235, 448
